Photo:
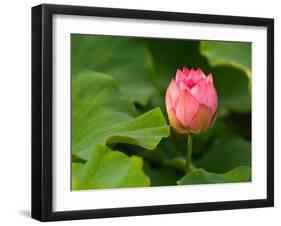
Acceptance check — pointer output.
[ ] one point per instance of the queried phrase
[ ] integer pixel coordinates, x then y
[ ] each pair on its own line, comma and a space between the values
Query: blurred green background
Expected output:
120, 132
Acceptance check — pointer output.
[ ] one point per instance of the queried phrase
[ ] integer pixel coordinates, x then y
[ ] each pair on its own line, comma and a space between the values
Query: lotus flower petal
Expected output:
196, 76
185, 70
186, 108
172, 95
201, 120
177, 126
205, 93
180, 76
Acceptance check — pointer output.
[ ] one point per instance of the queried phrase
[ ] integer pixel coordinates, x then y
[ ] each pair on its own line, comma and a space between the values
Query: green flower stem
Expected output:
188, 167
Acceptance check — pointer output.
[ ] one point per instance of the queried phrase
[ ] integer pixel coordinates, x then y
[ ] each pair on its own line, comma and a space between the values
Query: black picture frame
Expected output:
42, 111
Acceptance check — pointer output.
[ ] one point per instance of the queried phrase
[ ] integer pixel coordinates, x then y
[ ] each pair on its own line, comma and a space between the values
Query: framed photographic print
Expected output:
146, 112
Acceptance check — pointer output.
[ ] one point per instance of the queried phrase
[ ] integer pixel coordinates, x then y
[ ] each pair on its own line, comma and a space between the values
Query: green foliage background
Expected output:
120, 132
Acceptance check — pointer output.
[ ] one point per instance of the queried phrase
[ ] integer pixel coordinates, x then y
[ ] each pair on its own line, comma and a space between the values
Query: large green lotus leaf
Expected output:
219, 53
161, 170
127, 60
162, 175
232, 89
109, 169
201, 176
224, 150
101, 114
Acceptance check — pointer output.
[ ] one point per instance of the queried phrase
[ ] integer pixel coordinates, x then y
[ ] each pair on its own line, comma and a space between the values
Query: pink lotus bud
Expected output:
191, 101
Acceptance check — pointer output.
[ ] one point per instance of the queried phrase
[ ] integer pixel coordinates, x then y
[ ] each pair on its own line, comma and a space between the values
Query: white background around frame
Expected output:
15, 112
64, 199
